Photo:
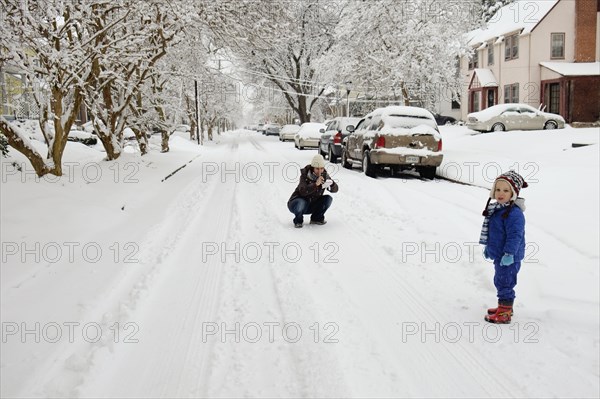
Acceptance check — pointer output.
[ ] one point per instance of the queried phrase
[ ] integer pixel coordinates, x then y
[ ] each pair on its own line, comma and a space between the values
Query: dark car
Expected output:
442, 120
272, 130
330, 145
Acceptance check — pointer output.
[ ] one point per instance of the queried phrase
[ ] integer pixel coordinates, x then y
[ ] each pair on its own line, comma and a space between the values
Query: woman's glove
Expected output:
327, 184
507, 260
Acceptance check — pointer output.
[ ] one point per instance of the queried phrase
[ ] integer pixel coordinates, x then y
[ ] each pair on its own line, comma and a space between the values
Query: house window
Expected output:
554, 105
456, 102
511, 47
474, 61
558, 45
491, 53
511, 93
475, 101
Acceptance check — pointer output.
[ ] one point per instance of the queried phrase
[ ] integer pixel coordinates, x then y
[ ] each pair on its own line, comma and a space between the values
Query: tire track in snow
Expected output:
417, 301
177, 357
64, 373
301, 370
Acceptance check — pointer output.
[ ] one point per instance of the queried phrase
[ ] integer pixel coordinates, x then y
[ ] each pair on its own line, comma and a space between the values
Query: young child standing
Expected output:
503, 234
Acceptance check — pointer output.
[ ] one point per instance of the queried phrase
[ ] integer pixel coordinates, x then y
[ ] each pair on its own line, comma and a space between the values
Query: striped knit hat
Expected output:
515, 181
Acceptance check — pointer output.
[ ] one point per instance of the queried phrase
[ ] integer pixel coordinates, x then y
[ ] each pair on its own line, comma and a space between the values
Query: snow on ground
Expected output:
204, 288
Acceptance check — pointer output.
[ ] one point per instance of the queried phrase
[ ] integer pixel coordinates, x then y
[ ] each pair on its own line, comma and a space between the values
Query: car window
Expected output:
366, 123
409, 121
359, 125
375, 122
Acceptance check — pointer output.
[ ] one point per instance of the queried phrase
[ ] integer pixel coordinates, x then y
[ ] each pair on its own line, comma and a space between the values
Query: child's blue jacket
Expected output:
507, 236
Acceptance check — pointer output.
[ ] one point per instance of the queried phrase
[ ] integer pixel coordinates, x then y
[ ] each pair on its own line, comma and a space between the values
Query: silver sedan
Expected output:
513, 117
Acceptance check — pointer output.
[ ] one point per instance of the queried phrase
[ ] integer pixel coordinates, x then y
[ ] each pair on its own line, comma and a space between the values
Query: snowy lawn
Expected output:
199, 285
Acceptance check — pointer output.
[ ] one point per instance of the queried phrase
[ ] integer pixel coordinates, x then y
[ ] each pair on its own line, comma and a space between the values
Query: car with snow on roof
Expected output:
309, 135
513, 116
288, 132
398, 137
330, 145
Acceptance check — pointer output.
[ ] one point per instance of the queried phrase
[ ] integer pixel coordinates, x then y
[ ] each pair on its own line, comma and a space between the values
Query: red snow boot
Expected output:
502, 315
491, 311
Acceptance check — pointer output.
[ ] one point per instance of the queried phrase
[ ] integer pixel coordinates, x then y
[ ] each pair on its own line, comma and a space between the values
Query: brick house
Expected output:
543, 52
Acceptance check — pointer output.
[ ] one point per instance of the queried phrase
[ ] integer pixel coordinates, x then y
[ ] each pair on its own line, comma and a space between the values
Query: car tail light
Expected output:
380, 142
337, 139
440, 145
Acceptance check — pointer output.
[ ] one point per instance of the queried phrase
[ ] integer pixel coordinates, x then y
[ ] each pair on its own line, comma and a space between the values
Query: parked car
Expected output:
79, 136
272, 130
397, 137
443, 119
183, 128
288, 132
513, 117
330, 145
308, 135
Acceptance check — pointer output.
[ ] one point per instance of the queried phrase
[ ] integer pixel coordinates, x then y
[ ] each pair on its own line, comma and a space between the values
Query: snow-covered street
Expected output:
200, 285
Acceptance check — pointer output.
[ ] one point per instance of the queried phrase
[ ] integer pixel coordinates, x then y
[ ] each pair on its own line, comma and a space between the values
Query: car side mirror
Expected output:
350, 128
321, 130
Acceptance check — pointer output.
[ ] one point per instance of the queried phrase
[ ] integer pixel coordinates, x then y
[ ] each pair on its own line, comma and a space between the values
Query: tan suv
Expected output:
397, 137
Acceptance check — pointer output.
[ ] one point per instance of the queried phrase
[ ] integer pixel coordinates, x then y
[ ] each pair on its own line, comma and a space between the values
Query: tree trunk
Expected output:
112, 152
141, 139
302, 112
14, 140
165, 141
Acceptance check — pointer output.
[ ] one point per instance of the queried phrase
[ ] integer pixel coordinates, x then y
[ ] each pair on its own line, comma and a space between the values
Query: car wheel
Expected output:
498, 127
345, 162
331, 155
550, 125
428, 172
368, 167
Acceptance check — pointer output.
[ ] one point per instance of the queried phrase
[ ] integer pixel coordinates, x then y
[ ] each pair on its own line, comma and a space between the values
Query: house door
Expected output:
491, 97
554, 98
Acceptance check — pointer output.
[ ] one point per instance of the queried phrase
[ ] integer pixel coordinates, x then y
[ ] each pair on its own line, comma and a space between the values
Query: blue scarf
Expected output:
491, 208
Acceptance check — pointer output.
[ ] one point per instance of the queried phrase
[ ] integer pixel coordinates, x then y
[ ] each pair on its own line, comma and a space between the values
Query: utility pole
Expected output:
197, 113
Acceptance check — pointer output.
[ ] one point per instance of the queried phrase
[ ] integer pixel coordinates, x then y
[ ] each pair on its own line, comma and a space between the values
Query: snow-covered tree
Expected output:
284, 44
44, 41
402, 51
489, 7
138, 37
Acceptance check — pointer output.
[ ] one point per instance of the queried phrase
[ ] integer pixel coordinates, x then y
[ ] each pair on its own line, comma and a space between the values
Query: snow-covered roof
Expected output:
486, 77
521, 16
574, 68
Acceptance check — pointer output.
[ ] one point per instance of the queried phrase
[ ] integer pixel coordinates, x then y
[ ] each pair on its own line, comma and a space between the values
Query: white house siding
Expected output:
560, 20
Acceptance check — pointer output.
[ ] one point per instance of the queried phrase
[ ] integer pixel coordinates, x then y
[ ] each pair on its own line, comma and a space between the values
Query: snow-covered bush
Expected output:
3, 145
